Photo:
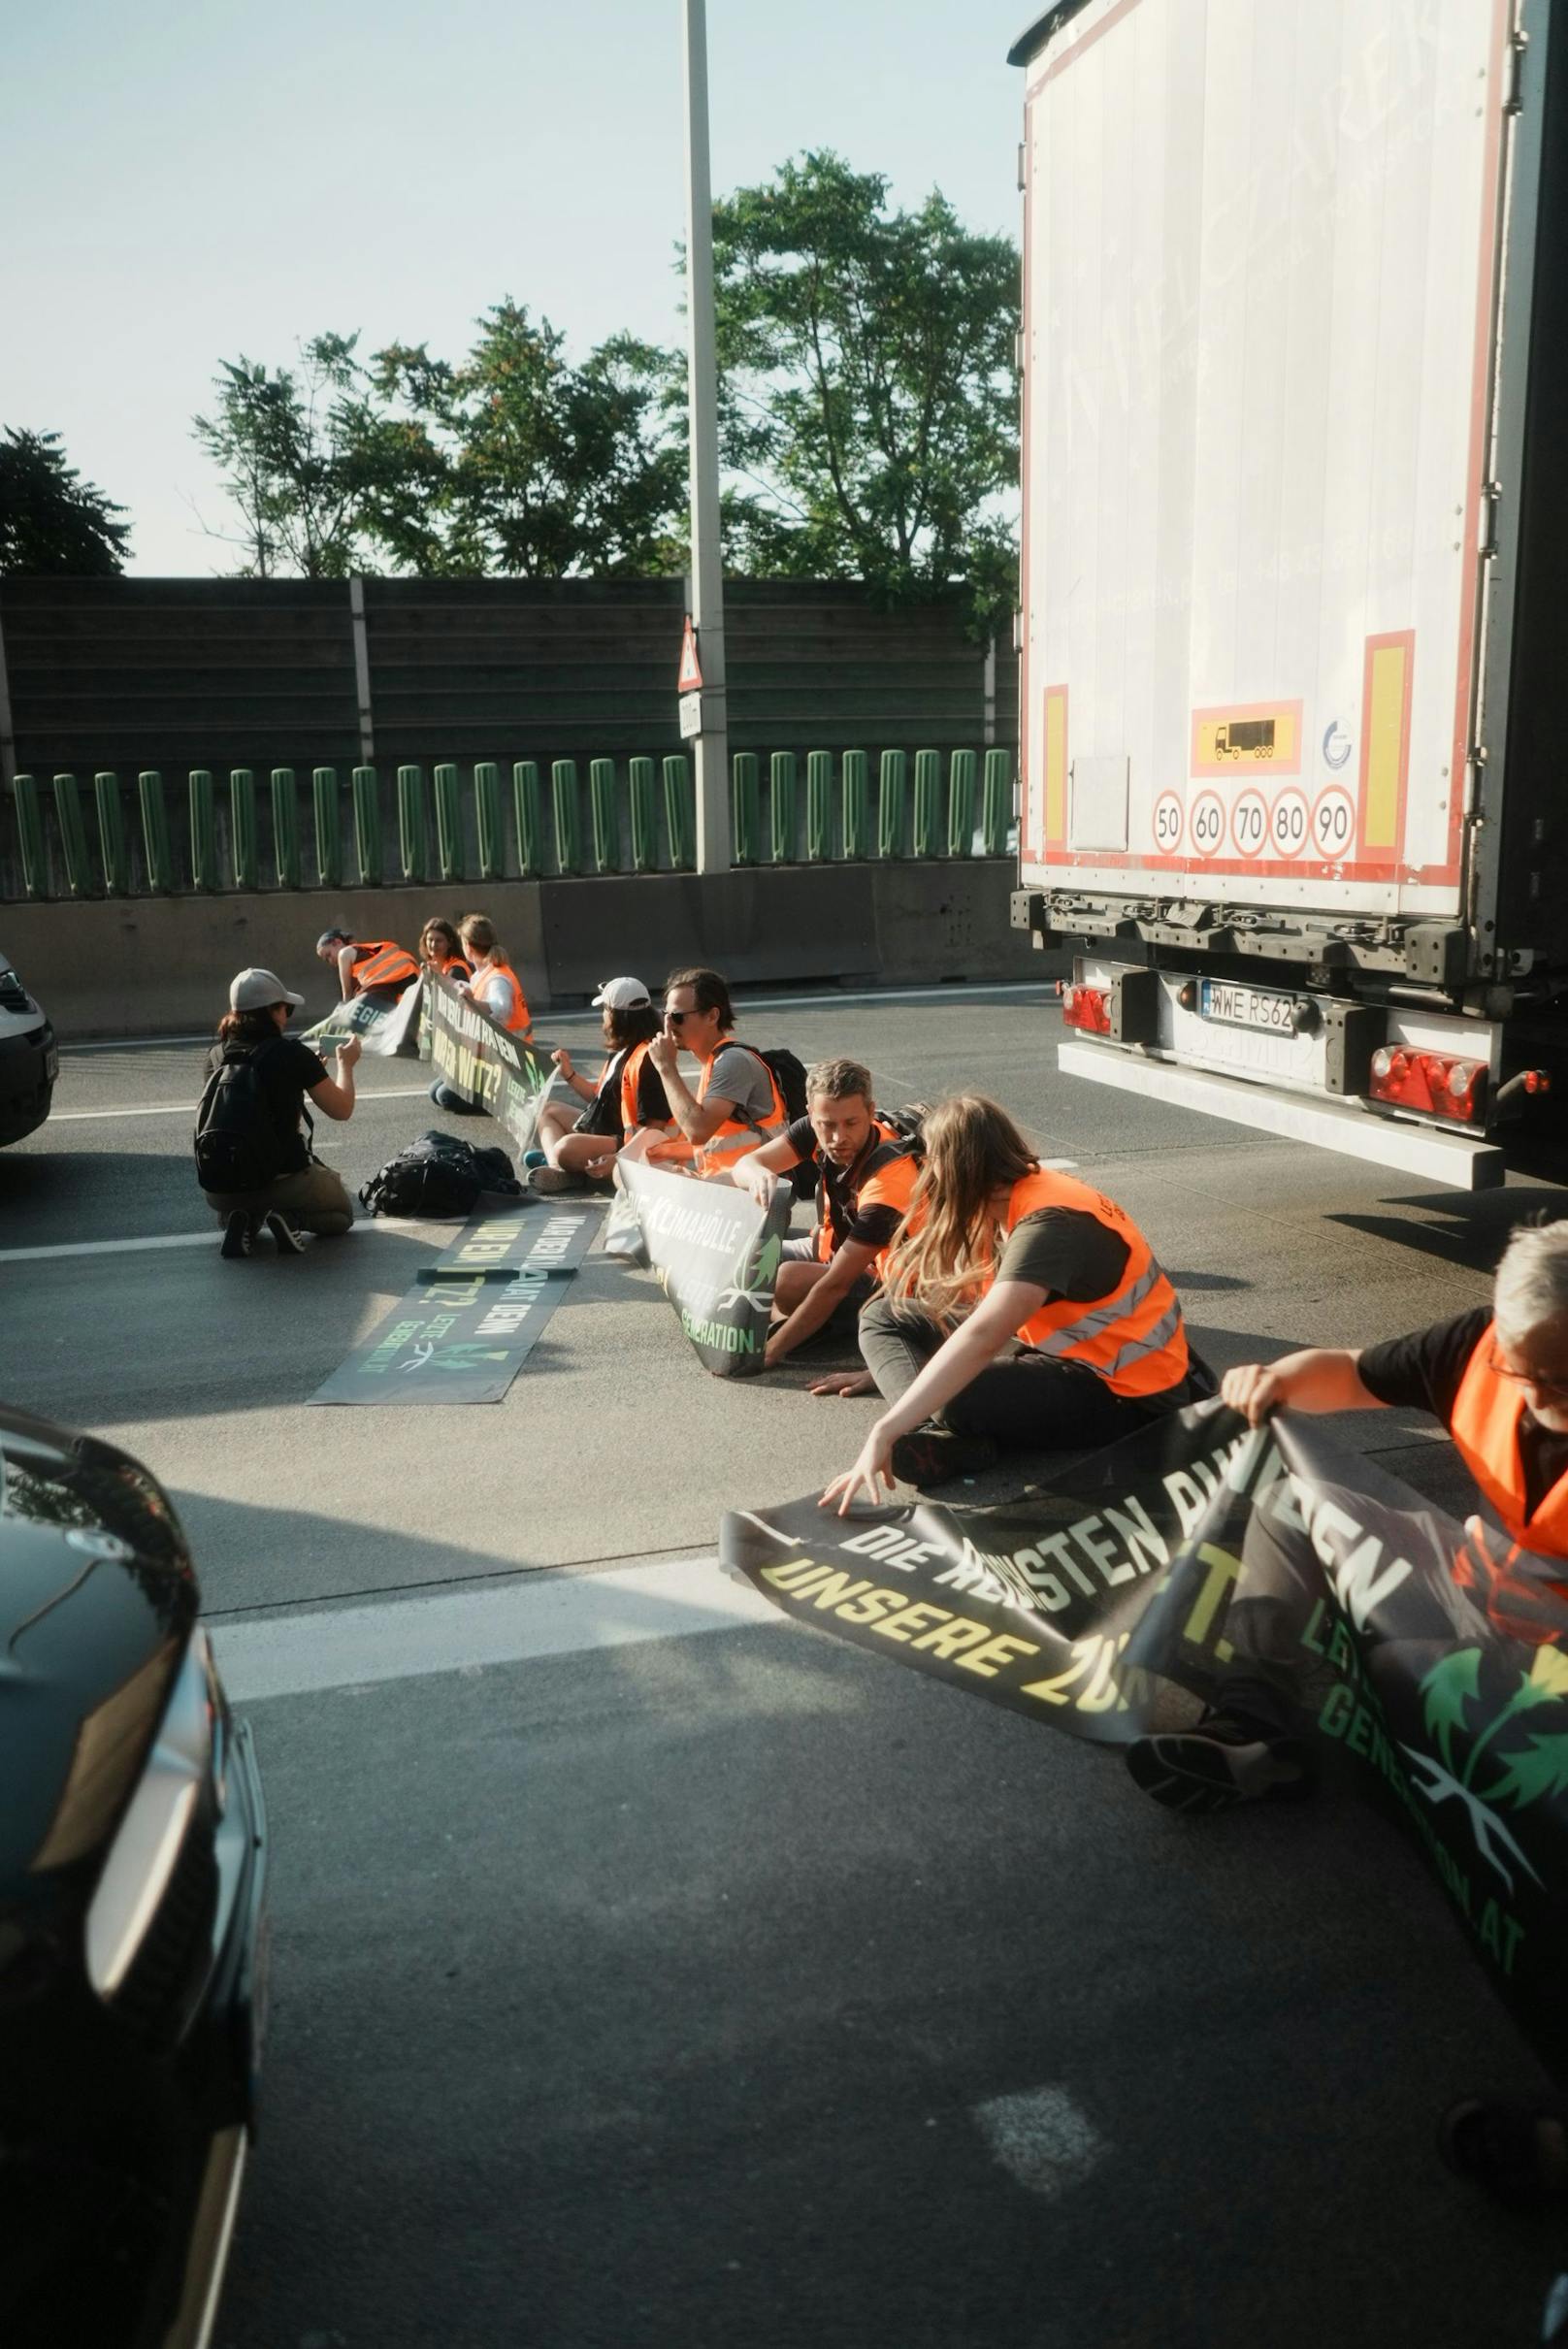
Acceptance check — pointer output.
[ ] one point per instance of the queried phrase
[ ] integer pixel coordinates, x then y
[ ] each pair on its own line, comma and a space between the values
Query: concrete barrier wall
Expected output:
162, 965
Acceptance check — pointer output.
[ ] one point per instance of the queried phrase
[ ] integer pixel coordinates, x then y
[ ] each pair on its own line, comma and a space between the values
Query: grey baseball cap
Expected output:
255, 990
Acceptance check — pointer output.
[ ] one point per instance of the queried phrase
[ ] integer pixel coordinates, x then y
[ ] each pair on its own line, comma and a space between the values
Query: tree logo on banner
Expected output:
1532, 1772
754, 1278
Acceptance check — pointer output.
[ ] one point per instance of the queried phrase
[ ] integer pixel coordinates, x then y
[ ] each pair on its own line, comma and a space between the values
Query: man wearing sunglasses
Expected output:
736, 1105
1497, 1378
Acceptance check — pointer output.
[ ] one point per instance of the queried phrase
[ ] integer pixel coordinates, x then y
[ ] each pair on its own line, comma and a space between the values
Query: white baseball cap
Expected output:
256, 990
619, 995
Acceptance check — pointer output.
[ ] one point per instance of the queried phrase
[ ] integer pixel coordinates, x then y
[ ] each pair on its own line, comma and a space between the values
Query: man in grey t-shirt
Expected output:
736, 1104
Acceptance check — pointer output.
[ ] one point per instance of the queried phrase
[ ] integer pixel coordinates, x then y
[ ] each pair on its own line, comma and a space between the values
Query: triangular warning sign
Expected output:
691, 676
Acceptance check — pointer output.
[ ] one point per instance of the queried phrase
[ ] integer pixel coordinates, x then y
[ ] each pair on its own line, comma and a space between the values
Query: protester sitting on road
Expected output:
580, 1147
252, 1157
866, 1173
1497, 1378
368, 966
738, 1103
1019, 1306
440, 951
494, 985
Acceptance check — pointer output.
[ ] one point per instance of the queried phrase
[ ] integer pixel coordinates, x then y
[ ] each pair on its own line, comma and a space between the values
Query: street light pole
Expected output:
712, 741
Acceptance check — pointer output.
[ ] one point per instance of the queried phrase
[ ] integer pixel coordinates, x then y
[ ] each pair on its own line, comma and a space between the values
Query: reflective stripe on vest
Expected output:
1487, 1411
379, 962
1135, 1339
732, 1140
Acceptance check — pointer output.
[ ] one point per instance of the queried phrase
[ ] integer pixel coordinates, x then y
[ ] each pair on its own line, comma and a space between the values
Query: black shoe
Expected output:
934, 1455
238, 1233
1223, 1761
289, 1242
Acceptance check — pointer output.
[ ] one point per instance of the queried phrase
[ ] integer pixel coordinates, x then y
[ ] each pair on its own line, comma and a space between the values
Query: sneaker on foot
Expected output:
934, 1455
238, 1233
548, 1180
534, 1157
1223, 1761
289, 1242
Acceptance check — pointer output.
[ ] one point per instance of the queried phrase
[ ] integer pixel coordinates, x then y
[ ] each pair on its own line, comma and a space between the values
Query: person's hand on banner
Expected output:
872, 1466
1320, 1378
844, 1382
759, 1181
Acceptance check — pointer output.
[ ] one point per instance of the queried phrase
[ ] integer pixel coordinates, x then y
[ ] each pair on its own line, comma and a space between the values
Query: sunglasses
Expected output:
677, 1017
1555, 1388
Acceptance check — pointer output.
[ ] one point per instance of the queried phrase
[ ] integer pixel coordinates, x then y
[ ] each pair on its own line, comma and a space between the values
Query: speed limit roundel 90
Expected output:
1333, 825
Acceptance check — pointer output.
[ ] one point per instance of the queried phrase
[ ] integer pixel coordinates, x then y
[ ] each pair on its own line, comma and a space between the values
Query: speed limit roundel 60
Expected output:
1207, 825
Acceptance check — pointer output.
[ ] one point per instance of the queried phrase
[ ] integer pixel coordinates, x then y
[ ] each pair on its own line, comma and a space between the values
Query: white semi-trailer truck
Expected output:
1294, 602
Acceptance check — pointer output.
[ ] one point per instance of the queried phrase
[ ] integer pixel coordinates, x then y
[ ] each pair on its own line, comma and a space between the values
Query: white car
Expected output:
29, 1063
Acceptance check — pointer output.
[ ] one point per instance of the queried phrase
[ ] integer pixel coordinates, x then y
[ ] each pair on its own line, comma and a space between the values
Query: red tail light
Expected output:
1442, 1086
1088, 1008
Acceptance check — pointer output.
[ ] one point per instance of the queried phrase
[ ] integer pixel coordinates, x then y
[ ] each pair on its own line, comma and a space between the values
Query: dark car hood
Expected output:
97, 1600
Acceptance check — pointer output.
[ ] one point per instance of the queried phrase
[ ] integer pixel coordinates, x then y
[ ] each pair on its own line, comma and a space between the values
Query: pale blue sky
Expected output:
184, 183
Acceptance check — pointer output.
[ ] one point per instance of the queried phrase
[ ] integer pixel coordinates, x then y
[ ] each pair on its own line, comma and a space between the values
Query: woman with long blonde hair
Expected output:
1018, 1307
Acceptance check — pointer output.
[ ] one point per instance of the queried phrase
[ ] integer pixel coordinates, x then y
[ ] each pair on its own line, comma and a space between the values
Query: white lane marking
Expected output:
533, 1616
1042, 2139
421, 1224
189, 1109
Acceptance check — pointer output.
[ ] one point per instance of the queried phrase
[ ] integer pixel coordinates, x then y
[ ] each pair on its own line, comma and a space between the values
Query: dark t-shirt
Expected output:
1424, 1371
286, 1072
872, 1227
1067, 1252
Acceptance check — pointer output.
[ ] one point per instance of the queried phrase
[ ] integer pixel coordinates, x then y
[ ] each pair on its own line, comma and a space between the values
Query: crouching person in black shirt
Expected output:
253, 1160
865, 1174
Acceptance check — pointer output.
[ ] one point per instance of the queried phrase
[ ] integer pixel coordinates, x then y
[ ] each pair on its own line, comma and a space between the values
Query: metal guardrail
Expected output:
629, 822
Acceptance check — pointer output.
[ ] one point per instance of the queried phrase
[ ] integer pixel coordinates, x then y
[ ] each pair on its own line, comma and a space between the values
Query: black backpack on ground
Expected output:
236, 1142
439, 1175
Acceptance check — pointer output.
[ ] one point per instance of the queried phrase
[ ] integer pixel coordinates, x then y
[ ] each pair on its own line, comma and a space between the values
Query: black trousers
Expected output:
1025, 1399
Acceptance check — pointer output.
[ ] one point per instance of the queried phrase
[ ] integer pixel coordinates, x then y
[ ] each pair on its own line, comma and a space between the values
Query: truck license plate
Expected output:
1247, 1007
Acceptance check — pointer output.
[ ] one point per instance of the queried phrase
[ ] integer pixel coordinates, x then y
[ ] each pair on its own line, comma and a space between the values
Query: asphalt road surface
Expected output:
648, 1969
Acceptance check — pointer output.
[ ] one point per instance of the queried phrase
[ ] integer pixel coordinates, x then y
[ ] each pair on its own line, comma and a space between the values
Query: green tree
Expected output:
868, 411
296, 451
550, 471
50, 520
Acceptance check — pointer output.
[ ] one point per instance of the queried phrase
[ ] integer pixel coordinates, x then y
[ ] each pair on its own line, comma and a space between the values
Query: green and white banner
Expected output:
715, 1253
383, 1028
490, 1068
1201, 1557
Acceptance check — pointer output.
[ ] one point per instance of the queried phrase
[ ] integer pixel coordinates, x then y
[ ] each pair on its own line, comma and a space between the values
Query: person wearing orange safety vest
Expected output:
865, 1172
495, 986
738, 1103
440, 951
1019, 1306
367, 966
1497, 1378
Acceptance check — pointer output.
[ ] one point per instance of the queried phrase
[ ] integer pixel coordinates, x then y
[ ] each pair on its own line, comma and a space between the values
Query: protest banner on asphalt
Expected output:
488, 1065
383, 1028
715, 1253
540, 1236
1198, 1554
458, 1340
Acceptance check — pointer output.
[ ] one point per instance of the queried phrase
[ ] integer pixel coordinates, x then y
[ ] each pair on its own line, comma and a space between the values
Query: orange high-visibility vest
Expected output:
379, 962
454, 967
517, 1021
630, 1074
889, 1181
732, 1140
1488, 1411
1132, 1339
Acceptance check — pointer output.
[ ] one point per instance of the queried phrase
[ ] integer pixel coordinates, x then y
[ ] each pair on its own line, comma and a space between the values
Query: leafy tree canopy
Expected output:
868, 411
53, 522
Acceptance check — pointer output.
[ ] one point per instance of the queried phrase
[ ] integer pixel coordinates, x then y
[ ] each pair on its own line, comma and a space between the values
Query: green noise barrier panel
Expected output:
997, 806
286, 828
411, 827
160, 864
113, 850
72, 834
244, 855
487, 821
960, 776
30, 835
448, 823
818, 806
781, 807
856, 774
680, 813
202, 830
893, 778
525, 794
565, 807
329, 863
745, 808
365, 786
639, 785
605, 812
